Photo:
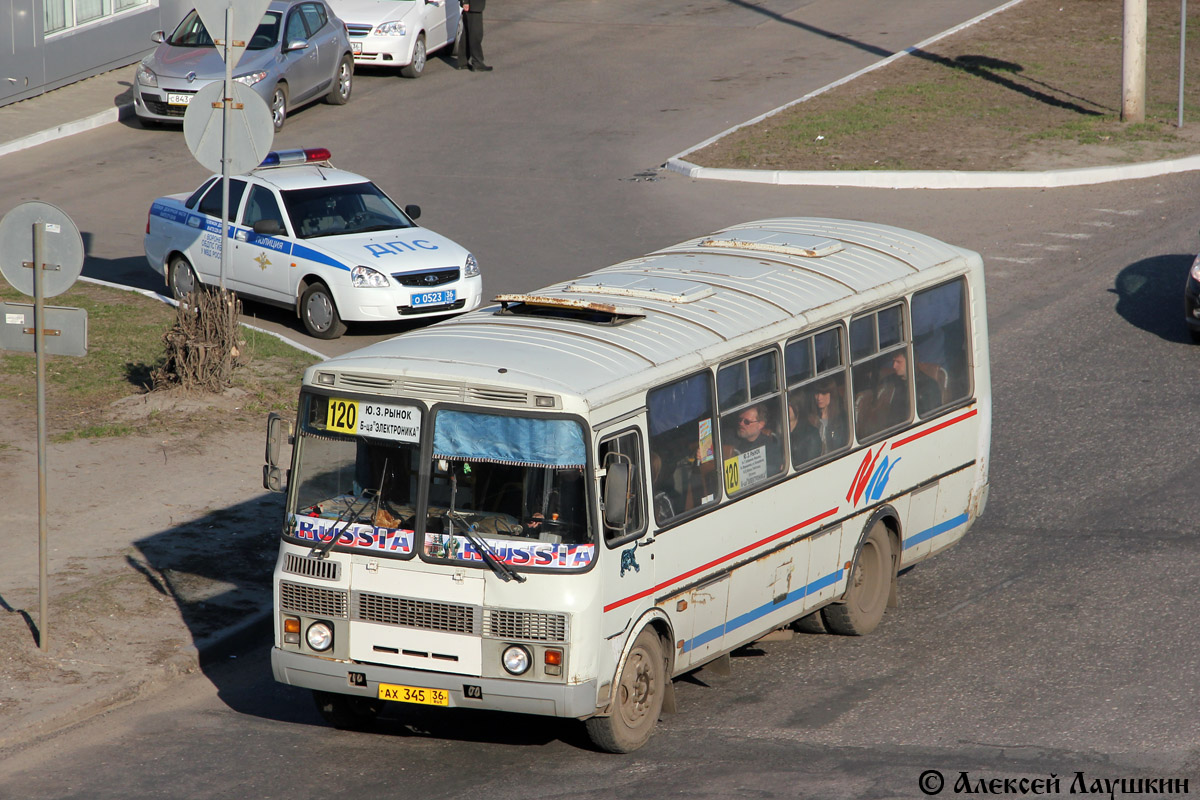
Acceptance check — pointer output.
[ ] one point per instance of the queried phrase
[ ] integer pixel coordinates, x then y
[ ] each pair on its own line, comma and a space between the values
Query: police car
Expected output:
304, 235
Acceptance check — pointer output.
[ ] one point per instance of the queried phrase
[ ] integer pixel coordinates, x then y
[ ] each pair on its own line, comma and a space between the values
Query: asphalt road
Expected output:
1057, 638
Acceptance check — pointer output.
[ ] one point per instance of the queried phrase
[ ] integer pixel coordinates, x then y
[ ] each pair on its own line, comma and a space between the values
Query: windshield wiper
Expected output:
503, 571
324, 548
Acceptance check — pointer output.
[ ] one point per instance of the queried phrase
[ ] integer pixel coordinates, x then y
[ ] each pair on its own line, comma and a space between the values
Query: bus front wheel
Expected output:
870, 584
347, 712
638, 699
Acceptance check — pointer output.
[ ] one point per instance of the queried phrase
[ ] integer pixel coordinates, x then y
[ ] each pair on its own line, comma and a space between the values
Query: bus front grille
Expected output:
312, 601
530, 626
409, 613
323, 568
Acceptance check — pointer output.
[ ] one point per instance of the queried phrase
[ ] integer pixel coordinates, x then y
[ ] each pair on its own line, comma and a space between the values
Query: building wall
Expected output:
32, 62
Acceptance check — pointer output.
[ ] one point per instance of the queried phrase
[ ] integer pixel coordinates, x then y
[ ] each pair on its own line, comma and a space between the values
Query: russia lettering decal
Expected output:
399, 248
515, 554
872, 477
357, 536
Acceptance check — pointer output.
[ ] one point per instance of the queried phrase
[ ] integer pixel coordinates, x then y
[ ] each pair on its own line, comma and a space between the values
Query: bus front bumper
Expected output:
577, 701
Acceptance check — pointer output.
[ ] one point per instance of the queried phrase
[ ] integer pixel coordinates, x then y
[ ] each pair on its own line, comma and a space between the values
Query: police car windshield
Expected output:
342, 210
191, 33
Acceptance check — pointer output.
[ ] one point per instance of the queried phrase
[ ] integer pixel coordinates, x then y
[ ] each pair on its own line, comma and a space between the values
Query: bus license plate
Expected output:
176, 99
414, 694
444, 297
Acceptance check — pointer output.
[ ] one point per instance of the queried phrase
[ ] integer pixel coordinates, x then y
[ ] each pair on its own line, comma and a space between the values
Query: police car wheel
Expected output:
319, 313
279, 100
343, 83
417, 66
182, 278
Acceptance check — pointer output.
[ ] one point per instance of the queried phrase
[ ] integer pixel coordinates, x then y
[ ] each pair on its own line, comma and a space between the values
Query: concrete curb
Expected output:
68, 129
943, 179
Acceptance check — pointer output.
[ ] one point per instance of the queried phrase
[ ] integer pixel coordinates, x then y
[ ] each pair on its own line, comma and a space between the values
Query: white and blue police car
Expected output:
304, 235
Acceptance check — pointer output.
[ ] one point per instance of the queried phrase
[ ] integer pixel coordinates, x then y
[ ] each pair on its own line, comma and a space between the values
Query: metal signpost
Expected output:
41, 253
237, 148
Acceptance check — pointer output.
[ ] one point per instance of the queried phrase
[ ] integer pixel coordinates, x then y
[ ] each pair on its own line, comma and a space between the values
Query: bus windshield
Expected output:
507, 477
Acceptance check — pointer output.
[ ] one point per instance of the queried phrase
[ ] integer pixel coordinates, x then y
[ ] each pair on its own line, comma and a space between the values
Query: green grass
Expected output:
125, 345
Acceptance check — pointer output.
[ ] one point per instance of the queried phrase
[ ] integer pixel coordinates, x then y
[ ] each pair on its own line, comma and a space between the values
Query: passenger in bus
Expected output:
893, 392
822, 429
754, 430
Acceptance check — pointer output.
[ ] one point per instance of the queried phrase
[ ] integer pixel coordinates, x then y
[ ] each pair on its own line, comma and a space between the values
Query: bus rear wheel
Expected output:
347, 712
638, 701
870, 584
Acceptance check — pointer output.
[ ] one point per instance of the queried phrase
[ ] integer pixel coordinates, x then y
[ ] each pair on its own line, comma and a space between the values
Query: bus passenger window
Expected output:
683, 464
817, 420
881, 374
752, 419
940, 345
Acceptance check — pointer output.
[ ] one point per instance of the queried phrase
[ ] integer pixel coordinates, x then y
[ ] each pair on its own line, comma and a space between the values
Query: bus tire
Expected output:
347, 712
870, 586
638, 699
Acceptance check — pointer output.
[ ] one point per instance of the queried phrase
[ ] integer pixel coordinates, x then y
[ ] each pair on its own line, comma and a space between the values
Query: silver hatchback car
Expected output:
299, 53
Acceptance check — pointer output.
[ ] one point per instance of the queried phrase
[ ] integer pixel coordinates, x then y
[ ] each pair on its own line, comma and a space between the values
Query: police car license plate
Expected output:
444, 297
414, 694
176, 99
356, 48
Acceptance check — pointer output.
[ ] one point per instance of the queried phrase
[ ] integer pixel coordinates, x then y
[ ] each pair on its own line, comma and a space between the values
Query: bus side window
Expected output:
627, 447
881, 373
752, 421
683, 462
941, 342
816, 378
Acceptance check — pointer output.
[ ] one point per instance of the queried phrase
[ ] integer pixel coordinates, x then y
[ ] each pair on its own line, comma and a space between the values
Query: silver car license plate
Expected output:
177, 99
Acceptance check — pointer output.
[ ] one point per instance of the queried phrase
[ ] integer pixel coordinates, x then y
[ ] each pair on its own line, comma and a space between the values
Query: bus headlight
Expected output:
516, 660
319, 636
470, 267
367, 278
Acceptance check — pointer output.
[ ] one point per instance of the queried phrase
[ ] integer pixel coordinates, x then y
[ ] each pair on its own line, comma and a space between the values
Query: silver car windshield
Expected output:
191, 33
338, 210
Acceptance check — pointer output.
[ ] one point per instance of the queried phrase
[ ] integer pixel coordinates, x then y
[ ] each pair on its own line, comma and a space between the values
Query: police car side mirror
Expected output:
413, 211
268, 227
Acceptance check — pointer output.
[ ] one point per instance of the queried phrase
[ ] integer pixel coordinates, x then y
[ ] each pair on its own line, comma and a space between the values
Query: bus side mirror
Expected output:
274, 477
616, 491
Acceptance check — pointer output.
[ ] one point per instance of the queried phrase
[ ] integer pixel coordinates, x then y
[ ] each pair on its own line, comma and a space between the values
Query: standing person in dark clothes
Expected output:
470, 51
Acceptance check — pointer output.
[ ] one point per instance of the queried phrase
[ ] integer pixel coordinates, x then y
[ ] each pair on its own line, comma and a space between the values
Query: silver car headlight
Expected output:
146, 76
251, 78
367, 278
470, 267
391, 29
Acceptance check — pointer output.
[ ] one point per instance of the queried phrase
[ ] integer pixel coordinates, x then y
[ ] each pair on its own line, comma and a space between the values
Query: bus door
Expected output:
628, 563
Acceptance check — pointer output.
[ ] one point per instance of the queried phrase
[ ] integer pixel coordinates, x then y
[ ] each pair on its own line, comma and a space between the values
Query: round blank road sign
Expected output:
62, 251
251, 131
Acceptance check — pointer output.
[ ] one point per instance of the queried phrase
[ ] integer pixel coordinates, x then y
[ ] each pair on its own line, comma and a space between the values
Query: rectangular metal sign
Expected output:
65, 329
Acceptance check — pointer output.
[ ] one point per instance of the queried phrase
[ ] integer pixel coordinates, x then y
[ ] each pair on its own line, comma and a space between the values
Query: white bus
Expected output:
556, 504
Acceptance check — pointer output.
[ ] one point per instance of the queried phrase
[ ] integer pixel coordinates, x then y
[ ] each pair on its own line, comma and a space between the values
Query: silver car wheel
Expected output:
279, 106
